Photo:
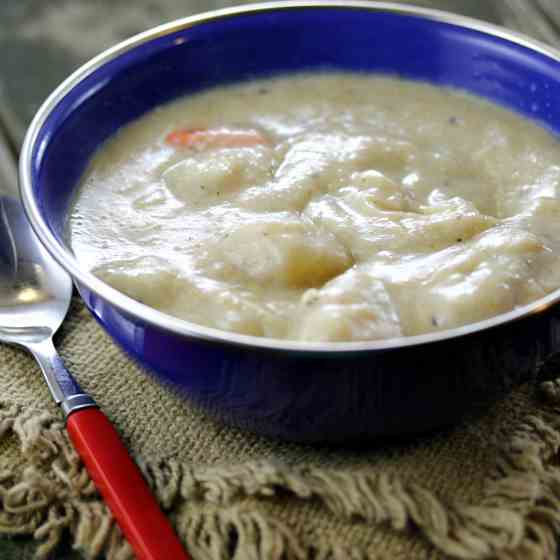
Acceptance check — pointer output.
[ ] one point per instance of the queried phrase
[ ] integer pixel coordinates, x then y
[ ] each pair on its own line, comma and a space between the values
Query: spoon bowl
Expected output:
35, 291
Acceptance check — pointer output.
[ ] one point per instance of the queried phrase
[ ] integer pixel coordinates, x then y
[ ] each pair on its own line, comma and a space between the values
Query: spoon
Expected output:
35, 293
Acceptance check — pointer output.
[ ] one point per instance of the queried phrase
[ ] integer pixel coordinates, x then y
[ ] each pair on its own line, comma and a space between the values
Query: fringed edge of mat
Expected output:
52, 494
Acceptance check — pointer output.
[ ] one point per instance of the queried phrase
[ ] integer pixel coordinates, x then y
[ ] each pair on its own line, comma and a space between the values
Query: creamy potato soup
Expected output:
325, 207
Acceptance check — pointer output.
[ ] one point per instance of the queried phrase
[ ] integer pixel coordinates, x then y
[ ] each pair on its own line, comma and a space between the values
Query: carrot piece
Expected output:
215, 138
182, 137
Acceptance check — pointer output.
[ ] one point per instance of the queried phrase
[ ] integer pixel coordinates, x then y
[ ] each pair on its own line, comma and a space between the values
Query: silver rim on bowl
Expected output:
182, 327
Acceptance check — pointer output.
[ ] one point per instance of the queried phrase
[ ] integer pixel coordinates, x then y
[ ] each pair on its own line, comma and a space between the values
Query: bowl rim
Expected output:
183, 327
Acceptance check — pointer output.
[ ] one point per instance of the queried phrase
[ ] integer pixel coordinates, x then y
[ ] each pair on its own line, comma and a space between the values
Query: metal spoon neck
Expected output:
63, 387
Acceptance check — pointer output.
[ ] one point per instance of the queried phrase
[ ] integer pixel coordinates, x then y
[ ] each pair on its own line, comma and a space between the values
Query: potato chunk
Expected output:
354, 306
283, 250
156, 283
488, 275
542, 218
150, 280
359, 221
208, 177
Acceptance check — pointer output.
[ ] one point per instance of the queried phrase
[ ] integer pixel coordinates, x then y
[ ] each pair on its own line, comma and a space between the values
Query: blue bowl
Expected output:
293, 390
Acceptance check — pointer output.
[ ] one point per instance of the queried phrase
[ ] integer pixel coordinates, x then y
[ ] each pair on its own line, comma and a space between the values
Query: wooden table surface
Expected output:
42, 42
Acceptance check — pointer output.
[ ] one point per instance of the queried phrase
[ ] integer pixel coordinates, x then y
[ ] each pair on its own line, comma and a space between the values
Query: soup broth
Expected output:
325, 207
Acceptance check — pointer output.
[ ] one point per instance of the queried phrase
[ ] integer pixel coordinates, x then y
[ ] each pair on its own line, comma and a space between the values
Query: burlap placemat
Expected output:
486, 488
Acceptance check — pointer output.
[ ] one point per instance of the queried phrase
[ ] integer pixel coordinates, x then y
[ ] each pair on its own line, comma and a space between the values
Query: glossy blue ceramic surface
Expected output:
297, 393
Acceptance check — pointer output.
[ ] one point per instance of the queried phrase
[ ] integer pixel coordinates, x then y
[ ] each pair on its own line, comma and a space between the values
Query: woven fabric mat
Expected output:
488, 487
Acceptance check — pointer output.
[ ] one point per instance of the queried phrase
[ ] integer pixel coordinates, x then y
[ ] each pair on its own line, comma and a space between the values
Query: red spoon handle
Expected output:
122, 486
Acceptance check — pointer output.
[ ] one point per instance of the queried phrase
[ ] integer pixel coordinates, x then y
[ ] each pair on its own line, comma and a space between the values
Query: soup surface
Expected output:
326, 207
